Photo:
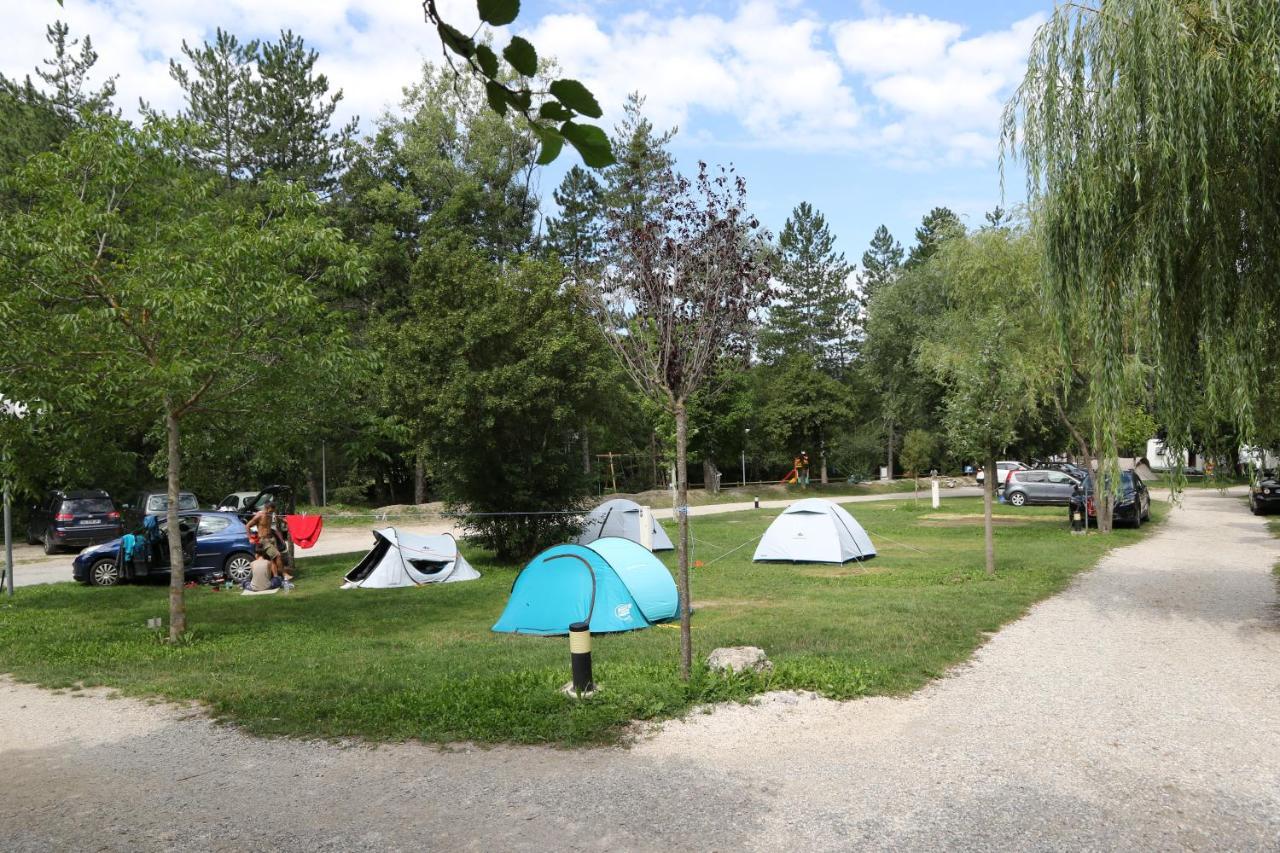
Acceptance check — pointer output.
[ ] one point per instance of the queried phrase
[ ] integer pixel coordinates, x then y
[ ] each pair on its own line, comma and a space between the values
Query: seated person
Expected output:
261, 578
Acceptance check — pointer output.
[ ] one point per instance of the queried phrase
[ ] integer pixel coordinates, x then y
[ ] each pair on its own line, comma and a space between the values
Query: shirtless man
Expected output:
261, 522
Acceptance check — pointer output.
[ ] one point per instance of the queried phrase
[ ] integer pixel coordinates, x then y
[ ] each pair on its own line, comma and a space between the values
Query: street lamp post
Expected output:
9, 408
745, 432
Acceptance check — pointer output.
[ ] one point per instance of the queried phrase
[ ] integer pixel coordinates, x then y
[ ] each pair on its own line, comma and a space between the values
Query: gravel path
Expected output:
32, 566
1137, 710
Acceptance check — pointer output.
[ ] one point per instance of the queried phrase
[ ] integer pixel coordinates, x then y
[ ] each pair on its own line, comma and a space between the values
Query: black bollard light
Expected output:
757, 500
580, 657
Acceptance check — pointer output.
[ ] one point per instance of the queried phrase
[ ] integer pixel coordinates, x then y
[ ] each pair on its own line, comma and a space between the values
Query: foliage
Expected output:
921, 451
490, 366
1159, 193
935, 228
262, 109
424, 665
880, 264
577, 233
125, 265
553, 113
815, 311
678, 302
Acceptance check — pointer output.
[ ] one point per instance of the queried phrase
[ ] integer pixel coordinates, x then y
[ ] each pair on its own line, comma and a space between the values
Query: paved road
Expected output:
1136, 711
33, 566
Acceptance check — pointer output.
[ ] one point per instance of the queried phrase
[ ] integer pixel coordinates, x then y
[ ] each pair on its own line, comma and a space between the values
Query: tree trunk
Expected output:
890, 454
177, 573
313, 488
1104, 498
586, 451
988, 500
419, 480
710, 476
682, 544
822, 457
653, 456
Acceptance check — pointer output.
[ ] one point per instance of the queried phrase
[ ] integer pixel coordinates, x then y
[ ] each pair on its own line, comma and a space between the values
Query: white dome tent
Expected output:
621, 518
814, 531
409, 559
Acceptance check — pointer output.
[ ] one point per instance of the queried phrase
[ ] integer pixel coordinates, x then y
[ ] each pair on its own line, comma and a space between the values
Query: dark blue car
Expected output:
211, 542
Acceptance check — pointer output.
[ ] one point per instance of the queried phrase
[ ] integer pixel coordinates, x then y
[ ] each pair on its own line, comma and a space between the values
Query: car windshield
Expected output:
160, 503
87, 506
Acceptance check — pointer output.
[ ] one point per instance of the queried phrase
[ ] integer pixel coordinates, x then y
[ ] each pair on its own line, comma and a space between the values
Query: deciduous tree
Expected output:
679, 299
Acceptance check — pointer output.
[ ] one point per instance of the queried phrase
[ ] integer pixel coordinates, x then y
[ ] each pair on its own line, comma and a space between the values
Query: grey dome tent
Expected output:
814, 531
409, 559
621, 518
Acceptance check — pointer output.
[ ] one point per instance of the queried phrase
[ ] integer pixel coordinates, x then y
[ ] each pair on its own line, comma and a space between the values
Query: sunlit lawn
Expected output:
422, 663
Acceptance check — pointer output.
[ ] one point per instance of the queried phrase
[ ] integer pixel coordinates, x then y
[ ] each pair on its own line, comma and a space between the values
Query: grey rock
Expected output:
740, 659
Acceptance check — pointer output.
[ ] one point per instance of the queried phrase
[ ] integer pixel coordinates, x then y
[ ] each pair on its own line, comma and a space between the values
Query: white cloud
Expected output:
772, 74
944, 92
911, 89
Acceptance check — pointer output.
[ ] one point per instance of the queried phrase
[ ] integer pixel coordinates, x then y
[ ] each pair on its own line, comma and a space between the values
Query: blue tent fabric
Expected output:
613, 584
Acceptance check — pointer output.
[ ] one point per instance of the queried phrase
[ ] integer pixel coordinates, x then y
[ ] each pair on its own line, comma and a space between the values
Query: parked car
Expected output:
1040, 486
1002, 472
212, 542
236, 502
156, 502
1065, 467
1264, 493
1133, 501
73, 519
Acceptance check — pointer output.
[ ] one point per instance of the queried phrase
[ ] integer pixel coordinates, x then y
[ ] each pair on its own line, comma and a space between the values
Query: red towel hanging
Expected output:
305, 529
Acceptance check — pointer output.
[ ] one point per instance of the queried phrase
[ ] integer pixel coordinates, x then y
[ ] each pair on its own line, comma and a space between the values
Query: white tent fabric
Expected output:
409, 559
620, 517
814, 531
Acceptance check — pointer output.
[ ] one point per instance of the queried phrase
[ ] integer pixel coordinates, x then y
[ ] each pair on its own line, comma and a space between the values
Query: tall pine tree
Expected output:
818, 308
575, 234
936, 226
220, 90
291, 115
880, 264
639, 180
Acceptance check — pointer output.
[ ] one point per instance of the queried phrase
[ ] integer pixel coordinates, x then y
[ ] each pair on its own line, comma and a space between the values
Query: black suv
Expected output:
156, 502
73, 519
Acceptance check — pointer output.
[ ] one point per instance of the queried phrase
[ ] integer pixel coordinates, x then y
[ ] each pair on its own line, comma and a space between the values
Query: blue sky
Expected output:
872, 111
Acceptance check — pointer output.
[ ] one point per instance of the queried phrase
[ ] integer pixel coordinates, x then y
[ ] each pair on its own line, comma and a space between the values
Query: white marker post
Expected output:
646, 527
937, 493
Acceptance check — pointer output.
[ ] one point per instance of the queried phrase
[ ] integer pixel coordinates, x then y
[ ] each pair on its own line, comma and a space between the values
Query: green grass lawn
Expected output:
422, 663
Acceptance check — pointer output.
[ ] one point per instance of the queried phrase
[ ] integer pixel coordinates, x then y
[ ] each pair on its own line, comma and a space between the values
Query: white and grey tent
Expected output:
409, 559
621, 517
814, 531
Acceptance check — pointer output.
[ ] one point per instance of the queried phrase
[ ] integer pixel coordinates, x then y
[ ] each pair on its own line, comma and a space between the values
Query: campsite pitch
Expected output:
422, 663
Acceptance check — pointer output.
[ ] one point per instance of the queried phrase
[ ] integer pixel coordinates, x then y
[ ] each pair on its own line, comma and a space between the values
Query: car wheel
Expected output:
105, 572
50, 547
239, 568
1018, 499
1253, 506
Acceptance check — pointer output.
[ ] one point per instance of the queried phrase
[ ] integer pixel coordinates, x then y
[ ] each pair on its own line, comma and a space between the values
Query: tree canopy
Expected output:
1149, 131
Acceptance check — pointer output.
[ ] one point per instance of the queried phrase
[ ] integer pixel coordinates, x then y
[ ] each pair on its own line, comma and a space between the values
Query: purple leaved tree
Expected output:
679, 297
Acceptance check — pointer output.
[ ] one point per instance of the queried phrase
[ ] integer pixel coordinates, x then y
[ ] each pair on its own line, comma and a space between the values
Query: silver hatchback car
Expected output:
1039, 486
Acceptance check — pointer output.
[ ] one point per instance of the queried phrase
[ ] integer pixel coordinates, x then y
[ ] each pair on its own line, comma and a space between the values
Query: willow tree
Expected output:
679, 298
1151, 135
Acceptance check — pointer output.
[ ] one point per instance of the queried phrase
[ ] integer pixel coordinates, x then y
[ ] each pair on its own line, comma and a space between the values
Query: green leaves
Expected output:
590, 142
551, 141
456, 40
499, 13
521, 55
576, 97
564, 100
488, 60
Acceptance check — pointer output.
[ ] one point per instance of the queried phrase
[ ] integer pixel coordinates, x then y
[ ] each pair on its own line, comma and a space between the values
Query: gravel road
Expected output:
1137, 710
32, 566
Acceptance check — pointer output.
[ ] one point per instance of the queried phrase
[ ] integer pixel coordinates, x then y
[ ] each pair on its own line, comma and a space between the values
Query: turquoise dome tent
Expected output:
613, 584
